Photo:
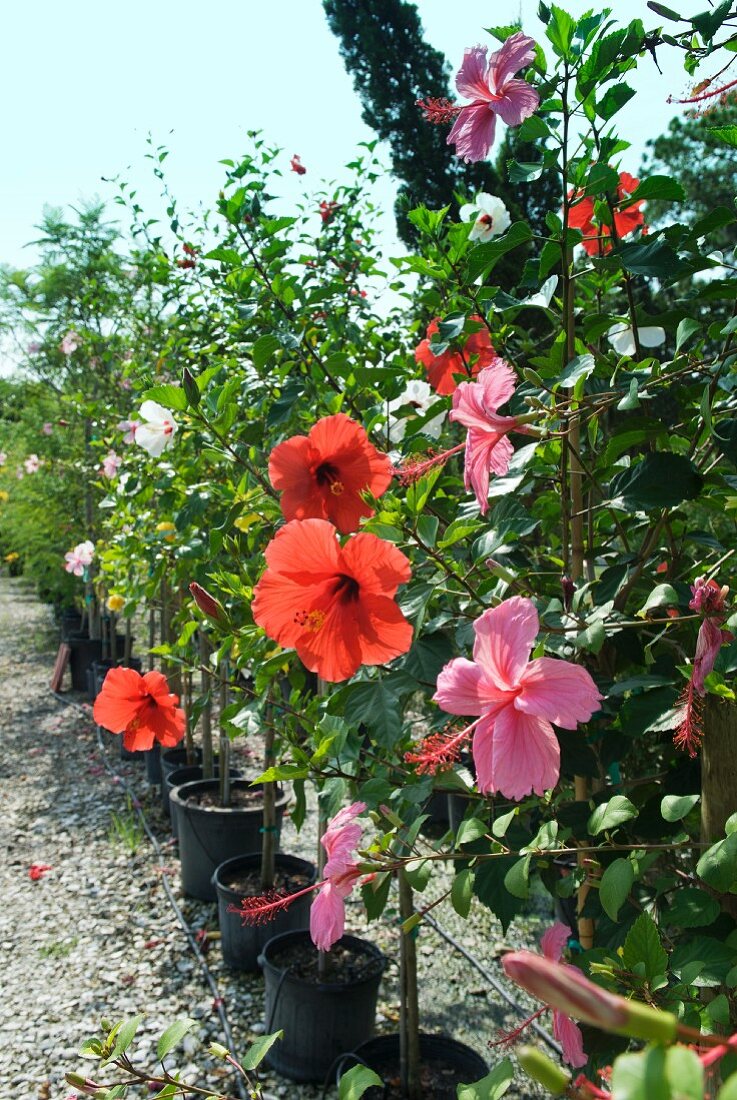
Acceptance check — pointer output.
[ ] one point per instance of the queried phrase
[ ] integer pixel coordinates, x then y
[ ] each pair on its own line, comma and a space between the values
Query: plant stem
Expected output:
224, 753
206, 714
409, 1025
268, 833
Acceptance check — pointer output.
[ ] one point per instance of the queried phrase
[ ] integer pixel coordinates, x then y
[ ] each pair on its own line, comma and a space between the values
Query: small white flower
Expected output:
420, 396
489, 215
156, 428
622, 338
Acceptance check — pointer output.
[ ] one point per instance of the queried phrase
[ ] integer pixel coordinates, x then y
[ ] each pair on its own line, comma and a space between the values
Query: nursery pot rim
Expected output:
368, 948
387, 1046
253, 859
181, 794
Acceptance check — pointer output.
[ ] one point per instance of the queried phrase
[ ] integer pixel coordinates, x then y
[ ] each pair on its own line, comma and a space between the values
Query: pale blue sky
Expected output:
83, 82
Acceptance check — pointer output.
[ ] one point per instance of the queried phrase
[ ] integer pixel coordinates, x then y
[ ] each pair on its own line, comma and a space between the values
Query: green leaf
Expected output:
662, 10
691, 908
613, 100
484, 257
489, 888
728, 1091
263, 350
725, 134
376, 705
717, 867
611, 814
171, 397
491, 1087
516, 880
641, 1076
686, 329
663, 188
702, 961
663, 595
173, 1035
461, 892
375, 895
123, 1038
470, 830
524, 171
709, 22
580, 367
674, 807
655, 258
643, 952
356, 1081
258, 1050
615, 885
559, 31
685, 1073
660, 480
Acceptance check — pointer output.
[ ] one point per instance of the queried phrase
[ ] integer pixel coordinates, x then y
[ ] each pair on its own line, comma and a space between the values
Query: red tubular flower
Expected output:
442, 368
581, 216
334, 605
141, 708
324, 474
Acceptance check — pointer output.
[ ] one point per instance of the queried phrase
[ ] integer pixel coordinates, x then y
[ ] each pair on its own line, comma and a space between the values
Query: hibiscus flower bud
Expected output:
191, 389
541, 1069
207, 604
84, 1084
565, 988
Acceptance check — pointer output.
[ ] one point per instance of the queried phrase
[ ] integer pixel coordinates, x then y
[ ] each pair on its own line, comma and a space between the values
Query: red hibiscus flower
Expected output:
442, 368
324, 474
141, 708
581, 216
297, 166
333, 604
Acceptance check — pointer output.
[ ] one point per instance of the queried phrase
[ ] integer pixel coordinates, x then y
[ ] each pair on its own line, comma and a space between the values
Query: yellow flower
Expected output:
4, 497
13, 556
115, 602
167, 529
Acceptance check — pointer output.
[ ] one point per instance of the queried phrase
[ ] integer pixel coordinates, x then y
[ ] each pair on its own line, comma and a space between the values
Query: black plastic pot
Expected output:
208, 835
85, 651
242, 944
188, 775
70, 623
383, 1051
153, 765
320, 1021
171, 761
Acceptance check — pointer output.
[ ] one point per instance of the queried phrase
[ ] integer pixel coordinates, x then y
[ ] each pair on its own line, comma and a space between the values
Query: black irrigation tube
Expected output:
493, 981
188, 932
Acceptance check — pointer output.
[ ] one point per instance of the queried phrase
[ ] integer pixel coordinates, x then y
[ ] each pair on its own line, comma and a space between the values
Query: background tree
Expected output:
392, 66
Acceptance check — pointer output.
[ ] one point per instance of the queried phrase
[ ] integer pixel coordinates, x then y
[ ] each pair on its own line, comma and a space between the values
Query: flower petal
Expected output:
570, 1038
526, 755
554, 941
504, 637
516, 52
473, 132
463, 688
558, 691
518, 101
471, 78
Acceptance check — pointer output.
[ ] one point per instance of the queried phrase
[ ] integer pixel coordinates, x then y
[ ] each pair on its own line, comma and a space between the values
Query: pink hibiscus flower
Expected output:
515, 749
493, 90
129, 427
110, 464
327, 915
475, 405
568, 1034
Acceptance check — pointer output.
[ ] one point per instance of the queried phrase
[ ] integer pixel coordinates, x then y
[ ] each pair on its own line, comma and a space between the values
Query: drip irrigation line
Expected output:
186, 928
493, 981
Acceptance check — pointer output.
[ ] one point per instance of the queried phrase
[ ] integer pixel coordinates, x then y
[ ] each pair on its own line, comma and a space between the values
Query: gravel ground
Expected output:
96, 936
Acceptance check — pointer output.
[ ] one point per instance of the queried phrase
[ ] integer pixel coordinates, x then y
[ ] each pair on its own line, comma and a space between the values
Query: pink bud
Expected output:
565, 988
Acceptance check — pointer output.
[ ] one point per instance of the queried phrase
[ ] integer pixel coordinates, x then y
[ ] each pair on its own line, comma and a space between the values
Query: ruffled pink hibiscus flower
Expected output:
567, 1033
515, 749
488, 449
708, 598
493, 90
327, 915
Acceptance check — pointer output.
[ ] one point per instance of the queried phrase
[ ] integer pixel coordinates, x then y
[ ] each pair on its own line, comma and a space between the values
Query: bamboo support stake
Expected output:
268, 828
206, 712
224, 753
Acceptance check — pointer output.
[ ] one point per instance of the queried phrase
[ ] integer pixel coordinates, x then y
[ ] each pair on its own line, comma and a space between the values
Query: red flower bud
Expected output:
207, 604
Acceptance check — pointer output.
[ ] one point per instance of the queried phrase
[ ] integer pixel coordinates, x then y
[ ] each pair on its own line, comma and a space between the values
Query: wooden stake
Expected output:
409, 1013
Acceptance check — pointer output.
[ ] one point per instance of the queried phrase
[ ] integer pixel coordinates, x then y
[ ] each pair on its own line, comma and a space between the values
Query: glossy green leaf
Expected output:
615, 885
611, 814
173, 1036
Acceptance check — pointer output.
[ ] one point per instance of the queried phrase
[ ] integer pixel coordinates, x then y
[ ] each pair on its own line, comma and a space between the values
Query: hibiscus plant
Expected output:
493, 521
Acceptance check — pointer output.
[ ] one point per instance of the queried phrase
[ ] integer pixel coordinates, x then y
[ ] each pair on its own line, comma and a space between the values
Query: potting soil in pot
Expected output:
247, 884
240, 798
439, 1080
344, 963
